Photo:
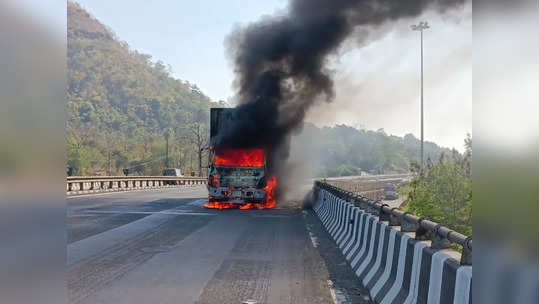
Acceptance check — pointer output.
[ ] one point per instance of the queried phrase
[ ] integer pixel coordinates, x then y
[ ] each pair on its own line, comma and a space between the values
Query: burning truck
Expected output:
237, 176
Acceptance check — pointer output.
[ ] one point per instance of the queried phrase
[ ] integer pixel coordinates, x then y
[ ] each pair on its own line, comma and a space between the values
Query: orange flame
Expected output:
240, 157
214, 180
270, 200
270, 192
219, 205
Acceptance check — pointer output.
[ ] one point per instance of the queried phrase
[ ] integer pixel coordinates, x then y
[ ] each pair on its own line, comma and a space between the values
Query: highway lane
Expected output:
162, 246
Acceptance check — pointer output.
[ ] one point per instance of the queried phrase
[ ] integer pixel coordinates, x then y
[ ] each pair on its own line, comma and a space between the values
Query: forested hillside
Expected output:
121, 105
343, 150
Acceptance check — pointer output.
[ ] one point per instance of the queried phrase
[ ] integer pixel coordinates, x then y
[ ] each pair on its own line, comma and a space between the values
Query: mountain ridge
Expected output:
120, 104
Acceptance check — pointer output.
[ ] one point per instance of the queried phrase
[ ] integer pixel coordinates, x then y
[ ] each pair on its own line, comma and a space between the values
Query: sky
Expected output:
377, 83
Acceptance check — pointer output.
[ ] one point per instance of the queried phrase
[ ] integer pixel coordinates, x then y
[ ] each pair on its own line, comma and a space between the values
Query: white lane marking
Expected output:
198, 202
337, 295
176, 275
146, 212
313, 237
95, 244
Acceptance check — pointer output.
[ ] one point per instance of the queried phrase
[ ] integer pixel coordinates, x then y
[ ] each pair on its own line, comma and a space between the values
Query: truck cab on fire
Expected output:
237, 177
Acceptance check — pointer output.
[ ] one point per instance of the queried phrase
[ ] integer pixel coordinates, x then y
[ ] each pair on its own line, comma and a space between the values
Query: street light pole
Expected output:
421, 27
167, 134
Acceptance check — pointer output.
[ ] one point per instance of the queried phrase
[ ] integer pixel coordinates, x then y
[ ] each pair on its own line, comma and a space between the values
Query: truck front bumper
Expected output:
236, 195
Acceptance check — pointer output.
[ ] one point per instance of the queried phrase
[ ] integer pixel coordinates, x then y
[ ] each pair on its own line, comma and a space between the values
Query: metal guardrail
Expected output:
442, 237
370, 186
98, 184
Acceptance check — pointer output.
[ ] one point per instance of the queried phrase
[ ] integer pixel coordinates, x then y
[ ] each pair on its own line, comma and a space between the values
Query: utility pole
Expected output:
167, 134
166, 160
110, 165
421, 27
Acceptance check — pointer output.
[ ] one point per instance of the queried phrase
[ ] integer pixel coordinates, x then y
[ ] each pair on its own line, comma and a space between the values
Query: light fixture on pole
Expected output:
421, 27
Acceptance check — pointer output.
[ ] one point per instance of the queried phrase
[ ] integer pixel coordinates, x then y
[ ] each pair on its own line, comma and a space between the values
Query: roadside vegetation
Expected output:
443, 193
123, 105
342, 150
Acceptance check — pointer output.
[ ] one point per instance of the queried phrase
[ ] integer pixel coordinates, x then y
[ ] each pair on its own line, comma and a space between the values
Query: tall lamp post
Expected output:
168, 133
421, 27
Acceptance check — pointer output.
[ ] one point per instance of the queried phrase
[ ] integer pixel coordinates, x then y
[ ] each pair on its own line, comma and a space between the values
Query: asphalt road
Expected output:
162, 246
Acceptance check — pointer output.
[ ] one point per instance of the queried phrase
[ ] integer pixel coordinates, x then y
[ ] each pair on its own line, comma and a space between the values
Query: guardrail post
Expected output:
441, 237
394, 219
407, 225
372, 208
363, 204
466, 256
383, 216
437, 238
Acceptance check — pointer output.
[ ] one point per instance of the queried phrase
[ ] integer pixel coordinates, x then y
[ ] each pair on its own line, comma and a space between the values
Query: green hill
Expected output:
120, 104
342, 150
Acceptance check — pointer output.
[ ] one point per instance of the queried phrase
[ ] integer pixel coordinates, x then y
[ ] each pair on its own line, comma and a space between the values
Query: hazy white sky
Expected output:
377, 85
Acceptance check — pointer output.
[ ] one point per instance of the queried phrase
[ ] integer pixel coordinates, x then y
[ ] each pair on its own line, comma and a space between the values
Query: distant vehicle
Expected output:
172, 172
390, 192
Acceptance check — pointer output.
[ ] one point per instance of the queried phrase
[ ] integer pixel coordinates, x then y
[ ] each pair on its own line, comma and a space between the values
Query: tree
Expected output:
199, 138
444, 192
120, 104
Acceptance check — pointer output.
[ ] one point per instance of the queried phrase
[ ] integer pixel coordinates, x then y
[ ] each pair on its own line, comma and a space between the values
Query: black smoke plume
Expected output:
280, 64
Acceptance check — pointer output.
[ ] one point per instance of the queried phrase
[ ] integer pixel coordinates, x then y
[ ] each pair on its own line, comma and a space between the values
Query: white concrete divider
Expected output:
359, 237
352, 231
336, 216
77, 185
346, 224
393, 265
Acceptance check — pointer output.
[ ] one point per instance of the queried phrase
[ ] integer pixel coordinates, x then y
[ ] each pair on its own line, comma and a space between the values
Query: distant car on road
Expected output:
390, 192
172, 172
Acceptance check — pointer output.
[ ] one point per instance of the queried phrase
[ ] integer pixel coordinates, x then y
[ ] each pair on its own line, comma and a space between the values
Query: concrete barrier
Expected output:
395, 266
77, 185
